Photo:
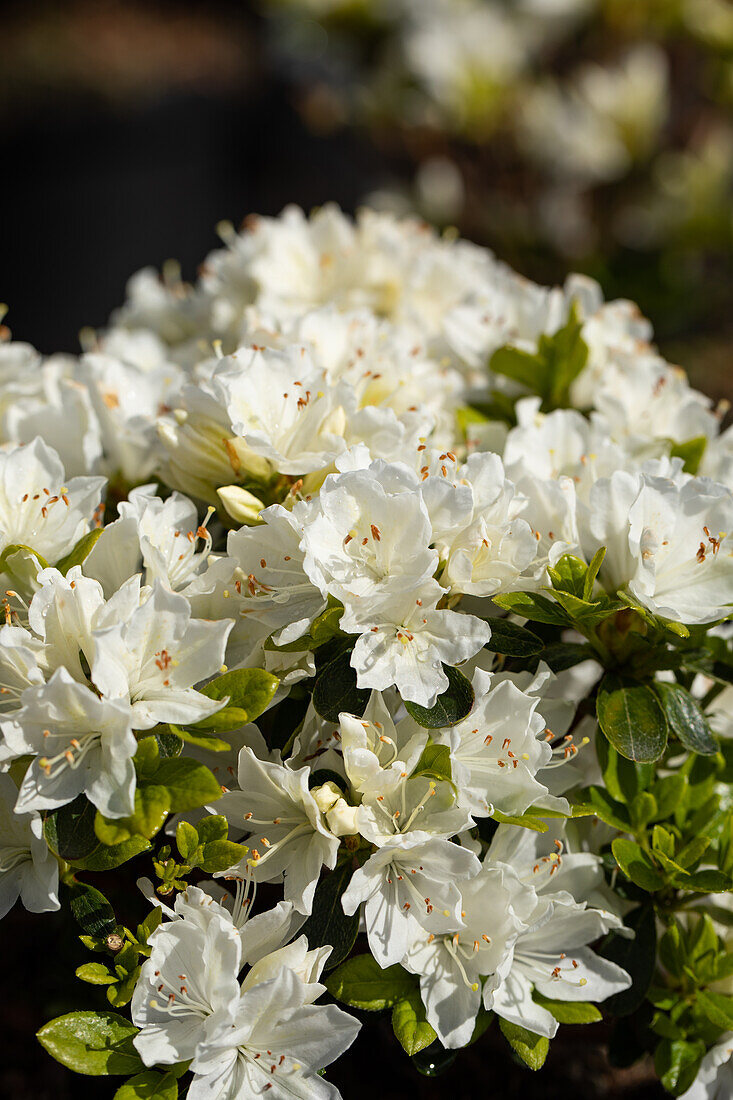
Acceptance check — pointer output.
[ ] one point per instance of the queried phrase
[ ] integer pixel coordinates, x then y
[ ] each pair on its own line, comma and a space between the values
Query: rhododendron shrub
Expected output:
373, 600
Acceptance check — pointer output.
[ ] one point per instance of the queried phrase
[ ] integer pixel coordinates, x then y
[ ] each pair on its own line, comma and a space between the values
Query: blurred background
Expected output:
594, 135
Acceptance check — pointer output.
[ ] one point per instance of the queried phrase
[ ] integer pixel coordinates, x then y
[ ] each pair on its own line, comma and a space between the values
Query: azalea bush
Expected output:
370, 602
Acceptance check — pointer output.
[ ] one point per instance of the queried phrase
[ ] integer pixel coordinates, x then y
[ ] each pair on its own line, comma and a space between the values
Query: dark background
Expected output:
129, 131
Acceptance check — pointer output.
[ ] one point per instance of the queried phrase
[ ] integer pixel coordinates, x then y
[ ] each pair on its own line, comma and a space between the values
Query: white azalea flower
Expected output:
411, 877
81, 744
410, 652
148, 650
28, 870
289, 836
451, 967
669, 544
39, 506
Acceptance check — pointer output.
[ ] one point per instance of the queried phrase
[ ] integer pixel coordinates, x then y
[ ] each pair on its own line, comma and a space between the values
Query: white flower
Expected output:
367, 542
148, 649
669, 544
81, 744
282, 407
27, 869
265, 1035
289, 836
411, 652
39, 506
372, 746
451, 966
409, 878
495, 752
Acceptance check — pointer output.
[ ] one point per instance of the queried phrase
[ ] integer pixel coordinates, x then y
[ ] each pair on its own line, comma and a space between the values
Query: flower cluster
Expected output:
392, 587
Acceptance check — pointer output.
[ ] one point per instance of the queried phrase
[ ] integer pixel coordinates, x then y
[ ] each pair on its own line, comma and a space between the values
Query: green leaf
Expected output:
91, 910
80, 552
667, 792
524, 821
69, 831
150, 1085
222, 721
717, 1007
631, 717
201, 738
210, 829
677, 1063
95, 974
569, 1012
513, 641
188, 783
531, 1048
637, 956
450, 707
335, 691
691, 452
411, 1028
531, 605
120, 994
563, 655
592, 572
249, 689
551, 370
361, 983
435, 763
93, 1043
637, 865
623, 778
328, 924
105, 858
685, 719
220, 855
152, 804
169, 744
568, 575
187, 840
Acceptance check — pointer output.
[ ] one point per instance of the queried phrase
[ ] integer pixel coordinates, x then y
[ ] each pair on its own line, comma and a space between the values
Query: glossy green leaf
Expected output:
569, 1012
95, 974
91, 910
410, 1026
532, 605
80, 552
69, 831
450, 707
513, 641
150, 1085
531, 1048
361, 983
335, 691
637, 865
631, 717
93, 1043
249, 689
685, 719
188, 783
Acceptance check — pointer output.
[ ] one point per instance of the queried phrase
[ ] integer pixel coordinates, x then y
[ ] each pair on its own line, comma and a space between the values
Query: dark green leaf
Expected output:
450, 707
677, 1063
637, 956
335, 691
328, 924
513, 641
686, 720
69, 831
91, 910
631, 717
